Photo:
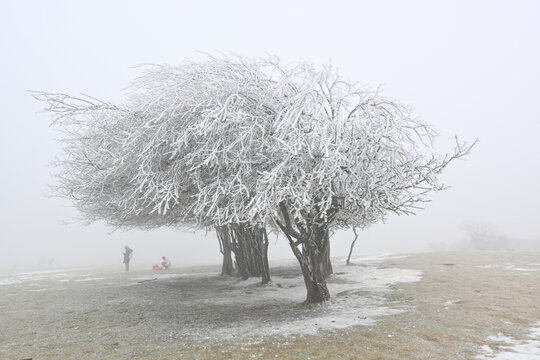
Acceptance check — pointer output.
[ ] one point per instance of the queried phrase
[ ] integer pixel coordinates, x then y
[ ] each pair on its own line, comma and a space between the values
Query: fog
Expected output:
469, 68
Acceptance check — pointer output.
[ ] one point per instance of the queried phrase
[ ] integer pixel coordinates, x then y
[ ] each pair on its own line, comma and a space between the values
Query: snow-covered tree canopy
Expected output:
233, 140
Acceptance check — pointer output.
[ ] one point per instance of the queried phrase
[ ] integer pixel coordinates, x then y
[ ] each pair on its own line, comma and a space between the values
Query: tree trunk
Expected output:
312, 252
228, 265
352, 245
225, 248
250, 247
239, 249
327, 264
315, 256
264, 253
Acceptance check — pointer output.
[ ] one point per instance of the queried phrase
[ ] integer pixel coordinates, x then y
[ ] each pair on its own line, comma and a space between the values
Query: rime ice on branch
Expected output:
251, 142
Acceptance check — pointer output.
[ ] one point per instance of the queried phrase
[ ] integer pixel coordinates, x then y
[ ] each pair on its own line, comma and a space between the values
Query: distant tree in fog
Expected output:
237, 142
480, 236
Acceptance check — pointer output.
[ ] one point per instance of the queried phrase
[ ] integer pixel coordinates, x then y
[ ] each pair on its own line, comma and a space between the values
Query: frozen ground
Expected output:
513, 349
382, 307
204, 305
508, 347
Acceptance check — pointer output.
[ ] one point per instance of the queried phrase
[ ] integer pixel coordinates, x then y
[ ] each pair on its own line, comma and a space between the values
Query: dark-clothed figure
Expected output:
127, 256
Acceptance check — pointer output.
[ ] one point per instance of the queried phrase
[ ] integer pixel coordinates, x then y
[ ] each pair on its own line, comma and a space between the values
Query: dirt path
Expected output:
462, 299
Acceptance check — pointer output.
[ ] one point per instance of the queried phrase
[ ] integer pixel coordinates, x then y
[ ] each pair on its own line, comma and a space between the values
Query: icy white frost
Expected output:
237, 140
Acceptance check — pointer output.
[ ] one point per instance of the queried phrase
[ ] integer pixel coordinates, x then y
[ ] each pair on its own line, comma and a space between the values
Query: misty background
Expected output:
469, 68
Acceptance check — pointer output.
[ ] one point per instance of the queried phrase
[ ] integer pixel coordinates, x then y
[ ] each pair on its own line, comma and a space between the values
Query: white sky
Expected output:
469, 68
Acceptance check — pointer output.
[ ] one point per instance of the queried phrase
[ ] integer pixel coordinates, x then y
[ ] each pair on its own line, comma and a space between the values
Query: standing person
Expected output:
165, 263
127, 256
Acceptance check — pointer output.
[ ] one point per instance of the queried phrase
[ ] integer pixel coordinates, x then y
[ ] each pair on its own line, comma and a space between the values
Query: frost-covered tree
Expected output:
102, 171
135, 165
336, 148
481, 236
249, 143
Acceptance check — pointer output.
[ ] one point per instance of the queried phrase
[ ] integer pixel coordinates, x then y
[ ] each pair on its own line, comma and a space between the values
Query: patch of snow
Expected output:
486, 350
31, 277
520, 269
507, 266
375, 259
9, 281
357, 299
535, 332
88, 279
513, 349
500, 338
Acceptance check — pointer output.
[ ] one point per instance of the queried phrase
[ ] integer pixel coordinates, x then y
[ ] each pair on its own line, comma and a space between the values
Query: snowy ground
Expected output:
389, 305
513, 349
226, 307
